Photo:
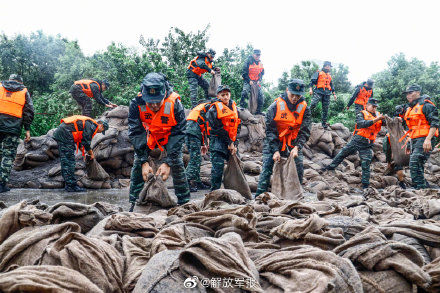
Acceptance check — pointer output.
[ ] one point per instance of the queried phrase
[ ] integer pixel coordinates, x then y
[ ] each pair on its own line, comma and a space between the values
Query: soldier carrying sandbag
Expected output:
252, 74
288, 122
201, 64
156, 119
76, 133
16, 111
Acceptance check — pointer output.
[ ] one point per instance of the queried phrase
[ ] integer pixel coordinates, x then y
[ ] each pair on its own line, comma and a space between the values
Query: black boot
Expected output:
74, 188
2, 188
202, 186
402, 184
192, 186
325, 125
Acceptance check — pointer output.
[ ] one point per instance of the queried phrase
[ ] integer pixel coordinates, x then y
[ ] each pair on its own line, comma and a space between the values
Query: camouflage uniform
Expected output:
272, 144
8, 150
84, 101
321, 95
358, 108
195, 81
247, 87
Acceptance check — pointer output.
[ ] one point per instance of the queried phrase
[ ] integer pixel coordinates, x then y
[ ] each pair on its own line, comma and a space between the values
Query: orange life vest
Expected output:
229, 118
288, 123
363, 96
196, 115
324, 80
85, 86
78, 135
372, 131
12, 103
416, 122
255, 71
159, 124
197, 70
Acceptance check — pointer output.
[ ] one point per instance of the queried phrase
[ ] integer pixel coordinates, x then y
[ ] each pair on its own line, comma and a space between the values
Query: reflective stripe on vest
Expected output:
416, 122
77, 134
255, 71
197, 70
288, 123
229, 118
324, 80
371, 132
159, 124
363, 96
85, 86
12, 103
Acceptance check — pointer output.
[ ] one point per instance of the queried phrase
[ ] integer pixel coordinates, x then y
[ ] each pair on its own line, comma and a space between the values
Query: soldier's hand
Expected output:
146, 169
28, 136
310, 91
109, 105
232, 148
400, 119
212, 72
427, 147
164, 171
346, 108
276, 157
204, 150
251, 82
294, 153
437, 145
334, 95
113, 105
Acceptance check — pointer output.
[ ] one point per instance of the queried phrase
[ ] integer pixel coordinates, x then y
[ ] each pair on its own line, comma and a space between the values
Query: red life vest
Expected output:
372, 131
195, 115
229, 118
324, 80
416, 121
255, 70
78, 135
197, 70
159, 124
288, 123
12, 103
363, 96
85, 86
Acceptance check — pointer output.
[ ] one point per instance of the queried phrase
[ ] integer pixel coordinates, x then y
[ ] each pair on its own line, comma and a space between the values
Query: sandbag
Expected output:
285, 182
396, 131
86, 216
156, 192
234, 177
384, 281
216, 80
95, 171
136, 251
253, 99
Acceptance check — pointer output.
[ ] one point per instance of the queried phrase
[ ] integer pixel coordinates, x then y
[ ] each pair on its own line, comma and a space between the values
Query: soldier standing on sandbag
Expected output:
76, 132
16, 111
224, 124
83, 91
253, 72
156, 118
321, 86
197, 143
200, 64
421, 118
288, 122
362, 94
368, 124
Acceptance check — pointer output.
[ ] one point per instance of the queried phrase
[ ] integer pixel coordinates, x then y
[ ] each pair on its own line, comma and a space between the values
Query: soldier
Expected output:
362, 94
83, 91
197, 143
76, 132
156, 119
323, 87
421, 118
224, 122
368, 124
287, 130
253, 72
200, 64
16, 111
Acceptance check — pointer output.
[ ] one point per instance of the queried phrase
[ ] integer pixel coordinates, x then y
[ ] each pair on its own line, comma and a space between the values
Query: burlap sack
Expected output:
95, 171
216, 80
384, 281
156, 192
285, 182
87, 216
234, 177
253, 99
396, 131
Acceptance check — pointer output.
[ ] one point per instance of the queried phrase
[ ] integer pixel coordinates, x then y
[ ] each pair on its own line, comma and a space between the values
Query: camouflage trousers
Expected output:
195, 159
365, 149
181, 187
218, 163
358, 108
417, 160
83, 101
268, 163
325, 100
194, 82
67, 160
8, 150
245, 95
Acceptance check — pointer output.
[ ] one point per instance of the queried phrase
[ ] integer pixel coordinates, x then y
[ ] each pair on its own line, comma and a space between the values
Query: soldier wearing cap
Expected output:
368, 124
288, 122
16, 111
253, 72
156, 119
201, 64
362, 94
224, 122
84, 90
321, 86
421, 118
76, 133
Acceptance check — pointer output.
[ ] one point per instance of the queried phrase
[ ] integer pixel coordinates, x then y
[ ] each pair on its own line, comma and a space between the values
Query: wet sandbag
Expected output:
156, 192
87, 216
384, 281
285, 182
46, 279
396, 131
253, 99
95, 171
216, 80
234, 177
433, 269
414, 243
136, 251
